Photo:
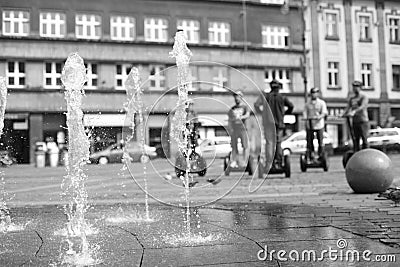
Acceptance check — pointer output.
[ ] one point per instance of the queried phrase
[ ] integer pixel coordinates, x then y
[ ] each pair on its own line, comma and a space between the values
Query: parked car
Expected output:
297, 143
384, 138
379, 138
217, 147
114, 153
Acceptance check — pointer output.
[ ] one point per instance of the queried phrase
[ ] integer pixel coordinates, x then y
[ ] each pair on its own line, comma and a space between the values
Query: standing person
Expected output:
237, 116
316, 111
357, 108
276, 102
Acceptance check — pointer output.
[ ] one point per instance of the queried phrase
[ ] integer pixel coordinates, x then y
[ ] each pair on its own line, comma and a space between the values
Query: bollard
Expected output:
40, 159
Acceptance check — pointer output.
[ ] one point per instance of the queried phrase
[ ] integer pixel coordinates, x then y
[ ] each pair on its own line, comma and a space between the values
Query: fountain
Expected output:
5, 219
73, 185
180, 133
133, 106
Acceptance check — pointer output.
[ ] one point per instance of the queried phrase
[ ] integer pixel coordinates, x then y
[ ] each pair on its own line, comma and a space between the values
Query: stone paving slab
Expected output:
115, 258
296, 234
338, 263
215, 254
243, 264
230, 236
16, 248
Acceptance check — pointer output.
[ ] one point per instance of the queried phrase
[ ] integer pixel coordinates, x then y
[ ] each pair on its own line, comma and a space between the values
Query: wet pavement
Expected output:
229, 234
309, 213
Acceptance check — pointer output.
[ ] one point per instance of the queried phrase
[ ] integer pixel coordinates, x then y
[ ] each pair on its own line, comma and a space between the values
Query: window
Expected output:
331, 25
220, 80
91, 75
157, 77
365, 27
155, 30
219, 33
333, 74
88, 26
122, 28
52, 75
274, 36
122, 72
191, 28
282, 75
15, 74
366, 75
394, 29
396, 77
52, 24
15, 23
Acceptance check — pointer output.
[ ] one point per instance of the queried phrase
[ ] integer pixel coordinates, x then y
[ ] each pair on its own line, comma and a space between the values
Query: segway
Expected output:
308, 160
197, 163
348, 154
275, 169
283, 167
249, 168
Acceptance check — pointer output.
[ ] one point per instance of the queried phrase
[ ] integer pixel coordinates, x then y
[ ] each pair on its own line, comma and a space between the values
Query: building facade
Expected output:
235, 44
355, 40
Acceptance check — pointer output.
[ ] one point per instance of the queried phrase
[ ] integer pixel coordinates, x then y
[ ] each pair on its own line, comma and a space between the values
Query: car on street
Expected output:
114, 153
384, 138
297, 144
379, 138
216, 147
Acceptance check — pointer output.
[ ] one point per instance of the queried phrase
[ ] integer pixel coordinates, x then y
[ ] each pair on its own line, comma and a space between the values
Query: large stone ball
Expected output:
369, 171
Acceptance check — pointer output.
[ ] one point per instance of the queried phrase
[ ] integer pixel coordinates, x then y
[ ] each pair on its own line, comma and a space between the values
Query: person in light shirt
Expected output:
315, 113
237, 116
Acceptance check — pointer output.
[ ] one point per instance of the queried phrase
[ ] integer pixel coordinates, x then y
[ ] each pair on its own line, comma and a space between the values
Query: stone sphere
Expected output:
369, 171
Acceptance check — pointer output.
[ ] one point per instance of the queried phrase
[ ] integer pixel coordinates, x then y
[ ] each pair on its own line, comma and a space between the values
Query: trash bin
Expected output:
52, 151
40, 154
63, 155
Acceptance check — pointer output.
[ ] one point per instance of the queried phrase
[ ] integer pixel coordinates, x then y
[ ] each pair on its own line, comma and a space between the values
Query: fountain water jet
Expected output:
5, 219
133, 106
180, 133
73, 185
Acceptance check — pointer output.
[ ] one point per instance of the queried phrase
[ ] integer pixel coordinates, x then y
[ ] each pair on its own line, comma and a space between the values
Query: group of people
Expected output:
273, 106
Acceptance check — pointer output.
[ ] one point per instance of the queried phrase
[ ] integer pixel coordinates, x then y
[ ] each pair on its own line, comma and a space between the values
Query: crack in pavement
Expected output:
41, 244
137, 238
242, 235
37, 252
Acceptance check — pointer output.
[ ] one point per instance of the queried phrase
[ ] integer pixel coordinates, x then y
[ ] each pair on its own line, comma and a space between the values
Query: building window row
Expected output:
333, 74
52, 71
123, 28
157, 79
364, 23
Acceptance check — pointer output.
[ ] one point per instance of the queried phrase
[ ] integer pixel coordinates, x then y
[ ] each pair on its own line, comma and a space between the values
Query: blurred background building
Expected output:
256, 38
355, 40
236, 44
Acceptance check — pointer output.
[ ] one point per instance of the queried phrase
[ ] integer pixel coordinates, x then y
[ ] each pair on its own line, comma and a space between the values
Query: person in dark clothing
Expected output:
279, 106
357, 109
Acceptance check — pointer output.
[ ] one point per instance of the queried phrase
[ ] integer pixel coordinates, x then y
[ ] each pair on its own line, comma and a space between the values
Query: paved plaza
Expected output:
230, 226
